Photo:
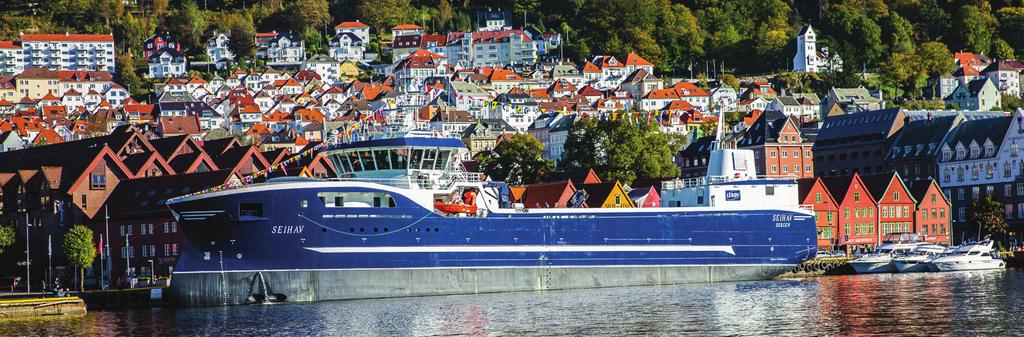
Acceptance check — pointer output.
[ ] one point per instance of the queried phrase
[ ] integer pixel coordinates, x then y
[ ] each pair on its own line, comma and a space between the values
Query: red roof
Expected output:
84, 76
406, 26
351, 24
498, 36
9, 45
180, 125
635, 60
67, 37
689, 89
504, 75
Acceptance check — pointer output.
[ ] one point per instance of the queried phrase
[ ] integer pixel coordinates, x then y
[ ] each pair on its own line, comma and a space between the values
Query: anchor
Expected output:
266, 296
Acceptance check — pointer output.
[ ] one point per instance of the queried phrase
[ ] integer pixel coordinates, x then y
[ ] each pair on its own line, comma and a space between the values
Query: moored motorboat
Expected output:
970, 256
917, 260
880, 261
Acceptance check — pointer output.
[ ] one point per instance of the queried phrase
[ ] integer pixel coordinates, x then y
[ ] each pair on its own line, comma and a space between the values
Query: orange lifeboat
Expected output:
455, 208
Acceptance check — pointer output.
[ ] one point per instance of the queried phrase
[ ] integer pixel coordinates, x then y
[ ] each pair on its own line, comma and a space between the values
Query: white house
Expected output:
1006, 76
725, 98
286, 48
359, 29
167, 62
327, 67
217, 47
346, 45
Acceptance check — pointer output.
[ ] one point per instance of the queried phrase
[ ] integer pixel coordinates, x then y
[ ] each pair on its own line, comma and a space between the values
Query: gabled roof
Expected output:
838, 186
546, 194
635, 60
351, 25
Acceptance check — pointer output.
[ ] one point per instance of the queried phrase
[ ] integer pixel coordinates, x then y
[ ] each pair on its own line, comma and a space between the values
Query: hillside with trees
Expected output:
683, 38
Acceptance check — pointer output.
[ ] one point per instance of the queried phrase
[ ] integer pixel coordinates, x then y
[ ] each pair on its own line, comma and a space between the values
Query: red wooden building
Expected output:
932, 216
813, 192
894, 202
857, 221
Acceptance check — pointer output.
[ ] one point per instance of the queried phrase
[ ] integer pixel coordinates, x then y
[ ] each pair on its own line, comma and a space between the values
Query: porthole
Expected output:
385, 229
323, 230
375, 229
352, 229
437, 229
361, 229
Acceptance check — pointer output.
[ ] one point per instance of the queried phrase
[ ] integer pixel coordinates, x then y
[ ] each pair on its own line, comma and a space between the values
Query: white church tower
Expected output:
806, 59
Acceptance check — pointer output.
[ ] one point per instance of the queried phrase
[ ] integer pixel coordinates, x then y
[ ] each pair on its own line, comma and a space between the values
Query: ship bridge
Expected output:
406, 159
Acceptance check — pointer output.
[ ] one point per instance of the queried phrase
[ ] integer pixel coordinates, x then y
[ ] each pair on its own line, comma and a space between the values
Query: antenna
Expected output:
717, 143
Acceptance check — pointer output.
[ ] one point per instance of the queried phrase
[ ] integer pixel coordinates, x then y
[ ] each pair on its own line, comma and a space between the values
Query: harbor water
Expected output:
926, 304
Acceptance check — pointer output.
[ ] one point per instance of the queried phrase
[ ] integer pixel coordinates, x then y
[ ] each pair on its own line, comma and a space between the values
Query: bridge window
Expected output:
399, 159
382, 159
357, 199
250, 209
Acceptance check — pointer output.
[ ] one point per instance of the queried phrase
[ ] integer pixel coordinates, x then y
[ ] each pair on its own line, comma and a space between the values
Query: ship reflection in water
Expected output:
957, 303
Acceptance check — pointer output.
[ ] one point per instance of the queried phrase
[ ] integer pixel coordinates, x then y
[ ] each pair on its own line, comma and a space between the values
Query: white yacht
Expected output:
970, 256
917, 260
880, 261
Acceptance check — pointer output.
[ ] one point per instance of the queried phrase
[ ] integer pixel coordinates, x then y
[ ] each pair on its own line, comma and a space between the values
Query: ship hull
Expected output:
232, 288
298, 249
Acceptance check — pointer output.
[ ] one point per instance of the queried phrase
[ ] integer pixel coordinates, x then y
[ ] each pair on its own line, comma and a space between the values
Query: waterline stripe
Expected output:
525, 249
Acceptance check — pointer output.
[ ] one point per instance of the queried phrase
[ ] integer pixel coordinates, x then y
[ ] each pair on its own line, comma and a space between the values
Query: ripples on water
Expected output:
928, 304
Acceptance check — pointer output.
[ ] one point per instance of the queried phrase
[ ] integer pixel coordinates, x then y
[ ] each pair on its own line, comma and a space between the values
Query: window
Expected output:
174, 226
975, 192
784, 154
167, 249
1008, 211
174, 249
846, 214
962, 213
817, 198
771, 154
98, 181
85, 203
769, 190
856, 196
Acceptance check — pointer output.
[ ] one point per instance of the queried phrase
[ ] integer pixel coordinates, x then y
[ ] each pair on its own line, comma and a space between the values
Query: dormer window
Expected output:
975, 152
946, 154
959, 154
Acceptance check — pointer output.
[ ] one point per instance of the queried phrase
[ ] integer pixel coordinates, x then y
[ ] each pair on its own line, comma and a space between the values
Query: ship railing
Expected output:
711, 180
442, 183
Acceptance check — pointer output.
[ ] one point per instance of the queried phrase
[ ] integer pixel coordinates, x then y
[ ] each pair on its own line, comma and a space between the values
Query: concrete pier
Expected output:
34, 307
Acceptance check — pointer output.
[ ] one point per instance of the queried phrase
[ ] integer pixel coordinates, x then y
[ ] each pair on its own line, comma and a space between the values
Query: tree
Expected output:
857, 37
934, 58
977, 26
583, 146
308, 14
6, 237
188, 25
623, 149
1002, 50
516, 161
524, 6
902, 70
898, 33
989, 215
730, 80
241, 37
1011, 24
129, 78
382, 14
79, 250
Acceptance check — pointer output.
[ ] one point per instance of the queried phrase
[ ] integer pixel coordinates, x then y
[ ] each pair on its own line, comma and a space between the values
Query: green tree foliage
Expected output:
308, 15
898, 33
623, 149
1011, 21
1002, 50
977, 27
383, 14
188, 24
79, 250
730, 80
987, 213
856, 37
524, 7
903, 70
241, 34
6, 237
516, 161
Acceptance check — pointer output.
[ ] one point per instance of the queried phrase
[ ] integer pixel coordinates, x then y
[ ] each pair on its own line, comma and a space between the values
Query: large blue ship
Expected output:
406, 220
